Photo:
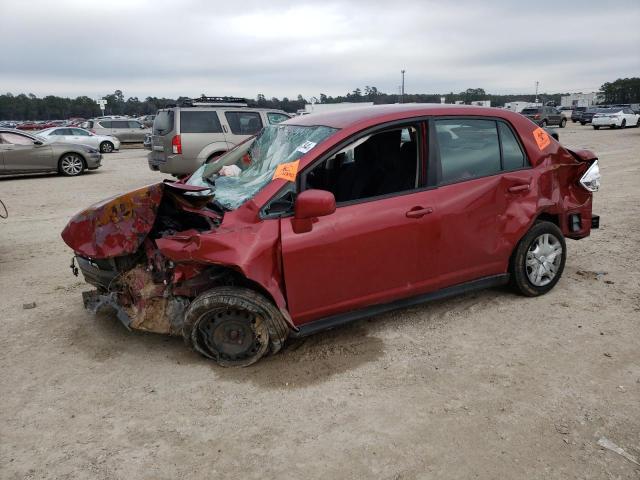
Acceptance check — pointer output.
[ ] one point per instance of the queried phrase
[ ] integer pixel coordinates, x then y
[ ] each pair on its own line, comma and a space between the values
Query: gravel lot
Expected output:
488, 385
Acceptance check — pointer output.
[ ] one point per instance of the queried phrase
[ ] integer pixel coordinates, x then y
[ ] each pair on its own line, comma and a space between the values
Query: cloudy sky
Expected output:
285, 48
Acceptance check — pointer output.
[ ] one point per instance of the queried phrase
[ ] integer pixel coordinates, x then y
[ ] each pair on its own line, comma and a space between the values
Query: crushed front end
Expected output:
115, 249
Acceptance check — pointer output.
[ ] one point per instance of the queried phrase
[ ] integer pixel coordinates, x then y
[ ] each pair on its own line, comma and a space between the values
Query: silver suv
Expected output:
125, 130
200, 130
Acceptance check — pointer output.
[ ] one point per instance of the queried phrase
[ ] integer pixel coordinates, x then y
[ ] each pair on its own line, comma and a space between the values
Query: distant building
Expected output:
581, 99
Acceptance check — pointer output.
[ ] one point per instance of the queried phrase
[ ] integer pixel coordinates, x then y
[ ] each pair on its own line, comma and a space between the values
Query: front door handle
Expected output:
419, 212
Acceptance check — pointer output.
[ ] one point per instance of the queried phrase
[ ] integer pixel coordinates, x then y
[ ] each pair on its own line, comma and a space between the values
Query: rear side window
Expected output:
274, 117
104, 123
512, 154
200, 122
244, 123
468, 149
120, 124
530, 111
134, 124
163, 123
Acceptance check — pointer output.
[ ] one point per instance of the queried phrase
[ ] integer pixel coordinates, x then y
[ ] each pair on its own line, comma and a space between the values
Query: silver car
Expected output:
127, 131
22, 152
185, 137
80, 136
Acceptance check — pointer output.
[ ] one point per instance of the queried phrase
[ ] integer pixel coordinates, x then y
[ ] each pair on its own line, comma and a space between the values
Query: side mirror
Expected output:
310, 205
37, 143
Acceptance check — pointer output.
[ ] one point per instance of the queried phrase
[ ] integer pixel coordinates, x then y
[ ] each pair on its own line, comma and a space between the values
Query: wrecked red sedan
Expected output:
327, 218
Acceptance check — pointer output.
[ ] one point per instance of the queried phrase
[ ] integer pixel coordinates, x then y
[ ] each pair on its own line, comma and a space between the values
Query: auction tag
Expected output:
305, 147
287, 171
542, 138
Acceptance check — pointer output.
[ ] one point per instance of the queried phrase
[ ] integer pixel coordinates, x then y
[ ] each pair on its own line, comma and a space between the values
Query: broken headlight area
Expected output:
114, 243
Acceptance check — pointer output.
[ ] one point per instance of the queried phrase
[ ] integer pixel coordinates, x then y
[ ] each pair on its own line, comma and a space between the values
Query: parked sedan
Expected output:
357, 212
21, 152
105, 143
615, 118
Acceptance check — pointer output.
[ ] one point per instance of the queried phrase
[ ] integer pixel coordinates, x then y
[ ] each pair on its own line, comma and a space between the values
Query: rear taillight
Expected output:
591, 178
537, 116
176, 144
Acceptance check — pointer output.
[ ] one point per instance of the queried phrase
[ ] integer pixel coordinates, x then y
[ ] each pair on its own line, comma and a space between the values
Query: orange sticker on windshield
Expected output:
542, 138
287, 171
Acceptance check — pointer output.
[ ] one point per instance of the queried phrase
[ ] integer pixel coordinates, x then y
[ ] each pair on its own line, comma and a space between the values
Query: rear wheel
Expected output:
624, 123
563, 122
106, 147
544, 123
538, 261
638, 123
583, 123
234, 326
71, 164
596, 127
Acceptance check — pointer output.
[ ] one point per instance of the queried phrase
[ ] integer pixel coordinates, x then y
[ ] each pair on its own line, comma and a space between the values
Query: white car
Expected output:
615, 118
104, 143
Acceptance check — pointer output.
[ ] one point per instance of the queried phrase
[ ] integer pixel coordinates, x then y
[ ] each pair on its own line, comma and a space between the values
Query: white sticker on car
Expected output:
306, 146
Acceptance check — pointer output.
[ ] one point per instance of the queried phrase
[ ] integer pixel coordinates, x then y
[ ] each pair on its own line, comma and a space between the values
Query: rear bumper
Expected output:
173, 164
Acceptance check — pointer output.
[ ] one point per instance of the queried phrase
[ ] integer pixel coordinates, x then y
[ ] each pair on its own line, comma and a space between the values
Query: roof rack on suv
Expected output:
214, 101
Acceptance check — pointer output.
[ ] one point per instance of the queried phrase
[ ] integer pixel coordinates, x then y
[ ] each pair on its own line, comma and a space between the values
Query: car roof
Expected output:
381, 113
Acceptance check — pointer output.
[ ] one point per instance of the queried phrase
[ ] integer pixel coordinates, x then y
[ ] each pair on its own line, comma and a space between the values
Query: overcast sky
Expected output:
285, 48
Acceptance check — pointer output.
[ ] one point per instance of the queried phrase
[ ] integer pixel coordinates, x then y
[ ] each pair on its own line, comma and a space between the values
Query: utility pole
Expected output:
402, 91
537, 82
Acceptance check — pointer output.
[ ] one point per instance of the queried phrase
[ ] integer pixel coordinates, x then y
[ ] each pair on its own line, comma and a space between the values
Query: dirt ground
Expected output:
487, 385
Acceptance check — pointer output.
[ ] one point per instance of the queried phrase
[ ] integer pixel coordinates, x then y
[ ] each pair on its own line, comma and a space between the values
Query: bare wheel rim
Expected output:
71, 164
543, 259
231, 336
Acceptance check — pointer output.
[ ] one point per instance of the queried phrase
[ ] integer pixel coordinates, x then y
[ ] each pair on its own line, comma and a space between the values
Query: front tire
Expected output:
543, 124
71, 165
234, 326
596, 127
563, 122
538, 261
624, 123
106, 147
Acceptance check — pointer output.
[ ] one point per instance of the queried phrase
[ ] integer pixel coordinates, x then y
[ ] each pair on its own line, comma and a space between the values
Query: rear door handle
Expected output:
419, 212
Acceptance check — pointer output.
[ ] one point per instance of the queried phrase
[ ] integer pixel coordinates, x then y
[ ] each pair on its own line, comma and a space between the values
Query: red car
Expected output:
328, 218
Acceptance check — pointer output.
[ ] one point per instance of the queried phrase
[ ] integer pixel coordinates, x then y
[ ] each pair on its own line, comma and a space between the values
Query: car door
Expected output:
483, 195
240, 125
199, 130
373, 249
136, 131
121, 130
82, 137
21, 154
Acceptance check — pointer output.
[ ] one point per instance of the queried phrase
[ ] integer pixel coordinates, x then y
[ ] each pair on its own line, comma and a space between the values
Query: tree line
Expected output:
30, 107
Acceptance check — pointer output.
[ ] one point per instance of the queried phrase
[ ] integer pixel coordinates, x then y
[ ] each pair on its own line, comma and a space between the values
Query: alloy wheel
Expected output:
71, 164
543, 259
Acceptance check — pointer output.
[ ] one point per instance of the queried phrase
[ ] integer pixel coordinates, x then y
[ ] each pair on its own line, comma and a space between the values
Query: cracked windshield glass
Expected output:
244, 171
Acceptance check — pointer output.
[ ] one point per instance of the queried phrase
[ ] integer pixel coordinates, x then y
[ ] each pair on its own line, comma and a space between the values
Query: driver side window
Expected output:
378, 164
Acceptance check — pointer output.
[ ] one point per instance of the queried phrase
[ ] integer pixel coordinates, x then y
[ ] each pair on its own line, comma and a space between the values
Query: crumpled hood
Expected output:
116, 226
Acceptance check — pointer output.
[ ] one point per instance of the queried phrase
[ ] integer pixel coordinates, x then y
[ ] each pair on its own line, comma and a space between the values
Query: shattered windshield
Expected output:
241, 173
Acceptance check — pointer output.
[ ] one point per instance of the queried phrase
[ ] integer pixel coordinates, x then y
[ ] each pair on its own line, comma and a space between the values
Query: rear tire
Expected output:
563, 122
538, 261
106, 147
71, 165
543, 124
234, 326
624, 123
583, 123
596, 127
